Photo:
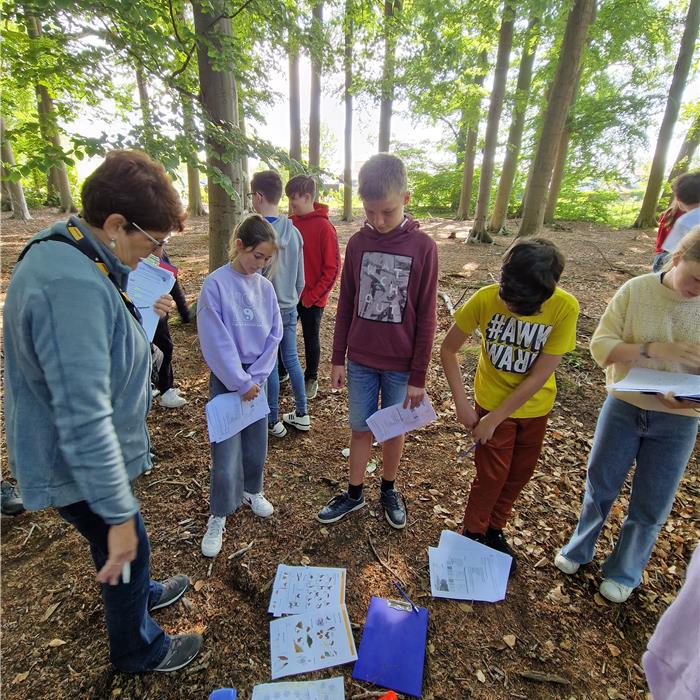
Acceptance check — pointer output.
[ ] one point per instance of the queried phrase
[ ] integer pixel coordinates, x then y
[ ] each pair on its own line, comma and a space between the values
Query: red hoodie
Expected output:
321, 254
386, 316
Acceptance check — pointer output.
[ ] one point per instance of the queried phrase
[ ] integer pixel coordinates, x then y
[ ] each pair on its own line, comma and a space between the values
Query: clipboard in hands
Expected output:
392, 648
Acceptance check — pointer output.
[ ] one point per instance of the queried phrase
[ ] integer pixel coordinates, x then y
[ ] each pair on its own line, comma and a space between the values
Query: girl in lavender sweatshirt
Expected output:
240, 327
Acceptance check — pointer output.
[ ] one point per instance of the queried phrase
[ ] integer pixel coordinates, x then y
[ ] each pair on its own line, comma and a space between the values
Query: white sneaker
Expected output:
155, 393
277, 430
615, 592
172, 399
302, 423
213, 538
311, 389
258, 504
568, 566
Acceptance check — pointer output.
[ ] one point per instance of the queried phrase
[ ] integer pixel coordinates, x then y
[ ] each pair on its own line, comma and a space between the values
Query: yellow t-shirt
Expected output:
510, 344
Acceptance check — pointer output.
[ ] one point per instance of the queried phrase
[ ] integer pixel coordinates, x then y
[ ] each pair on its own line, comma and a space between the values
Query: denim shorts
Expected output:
364, 387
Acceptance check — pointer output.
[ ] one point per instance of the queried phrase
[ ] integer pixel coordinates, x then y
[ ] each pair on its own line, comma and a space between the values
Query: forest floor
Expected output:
53, 637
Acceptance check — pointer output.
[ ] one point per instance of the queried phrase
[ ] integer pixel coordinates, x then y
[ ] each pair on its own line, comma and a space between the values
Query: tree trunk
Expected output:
194, 191
647, 214
686, 151
315, 98
577, 24
5, 196
391, 10
58, 174
146, 115
17, 200
347, 172
294, 101
245, 177
218, 93
471, 121
515, 133
498, 92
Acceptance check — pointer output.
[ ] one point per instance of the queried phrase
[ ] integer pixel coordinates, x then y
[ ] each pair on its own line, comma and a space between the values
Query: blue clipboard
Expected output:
392, 648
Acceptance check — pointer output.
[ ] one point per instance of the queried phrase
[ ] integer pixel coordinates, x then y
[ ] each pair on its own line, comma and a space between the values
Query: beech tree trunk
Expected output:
218, 93
245, 177
577, 24
315, 99
5, 196
391, 10
294, 100
146, 114
498, 92
14, 187
647, 214
194, 191
347, 171
58, 175
686, 151
515, 133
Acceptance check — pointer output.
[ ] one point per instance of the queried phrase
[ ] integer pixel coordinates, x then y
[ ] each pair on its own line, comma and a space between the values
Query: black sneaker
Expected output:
495, 539
338, 507
476, 536
394, 508
10, 500
173, 589
183, 649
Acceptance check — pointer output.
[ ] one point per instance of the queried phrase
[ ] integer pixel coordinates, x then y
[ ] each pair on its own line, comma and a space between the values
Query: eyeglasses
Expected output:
156, 243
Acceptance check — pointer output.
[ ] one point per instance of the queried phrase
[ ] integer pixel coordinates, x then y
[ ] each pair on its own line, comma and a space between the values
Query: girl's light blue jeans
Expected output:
290, 358
661, 444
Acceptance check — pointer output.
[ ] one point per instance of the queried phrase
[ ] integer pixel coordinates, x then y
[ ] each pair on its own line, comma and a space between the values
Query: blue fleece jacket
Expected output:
288, 271
77, 366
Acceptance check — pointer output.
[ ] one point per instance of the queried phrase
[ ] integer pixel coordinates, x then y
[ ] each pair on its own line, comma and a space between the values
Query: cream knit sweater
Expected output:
643, 310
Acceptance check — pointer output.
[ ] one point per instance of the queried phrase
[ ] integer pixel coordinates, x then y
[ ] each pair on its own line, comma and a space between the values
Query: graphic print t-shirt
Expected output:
383, 286
511, 344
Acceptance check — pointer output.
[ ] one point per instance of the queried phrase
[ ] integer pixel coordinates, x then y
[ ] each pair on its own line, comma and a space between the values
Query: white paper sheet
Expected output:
300, 589
327, 689
397, 420
658, 381
228, 414
145, 286
463, 569
308, 642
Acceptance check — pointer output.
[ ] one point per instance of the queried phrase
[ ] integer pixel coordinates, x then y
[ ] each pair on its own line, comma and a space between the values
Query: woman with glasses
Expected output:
77, 392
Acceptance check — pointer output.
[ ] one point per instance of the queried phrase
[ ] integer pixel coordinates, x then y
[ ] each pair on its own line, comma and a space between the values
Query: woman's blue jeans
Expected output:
290, 359
661, 444
136, 641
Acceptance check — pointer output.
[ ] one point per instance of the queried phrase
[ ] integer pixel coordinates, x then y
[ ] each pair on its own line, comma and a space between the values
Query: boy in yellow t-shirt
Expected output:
527, 323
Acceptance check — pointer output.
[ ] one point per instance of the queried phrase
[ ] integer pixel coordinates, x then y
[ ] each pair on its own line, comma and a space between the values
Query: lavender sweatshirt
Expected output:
239, 323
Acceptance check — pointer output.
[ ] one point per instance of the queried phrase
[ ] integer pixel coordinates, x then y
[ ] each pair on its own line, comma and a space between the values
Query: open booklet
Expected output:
656, 381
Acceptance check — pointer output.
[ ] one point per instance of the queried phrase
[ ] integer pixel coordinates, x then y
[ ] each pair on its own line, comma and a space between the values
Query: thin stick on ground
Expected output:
383, 563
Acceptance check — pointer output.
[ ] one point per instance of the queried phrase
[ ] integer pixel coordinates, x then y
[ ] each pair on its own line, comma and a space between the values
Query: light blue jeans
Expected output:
237, 464
290, 358
661, 444
365, 384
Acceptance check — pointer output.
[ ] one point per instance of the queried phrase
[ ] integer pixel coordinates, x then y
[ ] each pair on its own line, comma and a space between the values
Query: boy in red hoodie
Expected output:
321, 268
386, 324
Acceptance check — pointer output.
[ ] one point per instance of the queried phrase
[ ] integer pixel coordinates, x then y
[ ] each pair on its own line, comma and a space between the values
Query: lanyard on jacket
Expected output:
79, 241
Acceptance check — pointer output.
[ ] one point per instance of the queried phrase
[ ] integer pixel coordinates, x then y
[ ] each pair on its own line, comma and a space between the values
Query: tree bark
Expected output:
686, 151
315, 98
294, 100
391, 9
146, 114
245, 181
58, 175
578, 22
5, 196
505, 42
515, 133
647, 214
14, 187
194, 191
218, 94
347, 171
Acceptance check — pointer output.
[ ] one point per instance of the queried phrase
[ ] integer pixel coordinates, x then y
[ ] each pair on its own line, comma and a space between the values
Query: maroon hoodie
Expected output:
388, 296
321, 254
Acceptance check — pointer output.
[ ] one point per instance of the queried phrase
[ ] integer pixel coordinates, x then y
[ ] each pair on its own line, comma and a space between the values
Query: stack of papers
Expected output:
300, 589
145, 286
228, 414
463, 569
656, 381
396, 420
331, 689
319, 636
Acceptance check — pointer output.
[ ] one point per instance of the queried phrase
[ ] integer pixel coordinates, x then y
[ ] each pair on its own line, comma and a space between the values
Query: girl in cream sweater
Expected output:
652, 321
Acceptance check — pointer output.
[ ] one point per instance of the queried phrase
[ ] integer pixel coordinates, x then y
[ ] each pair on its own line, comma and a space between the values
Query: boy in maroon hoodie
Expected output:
386, 323
321, 268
